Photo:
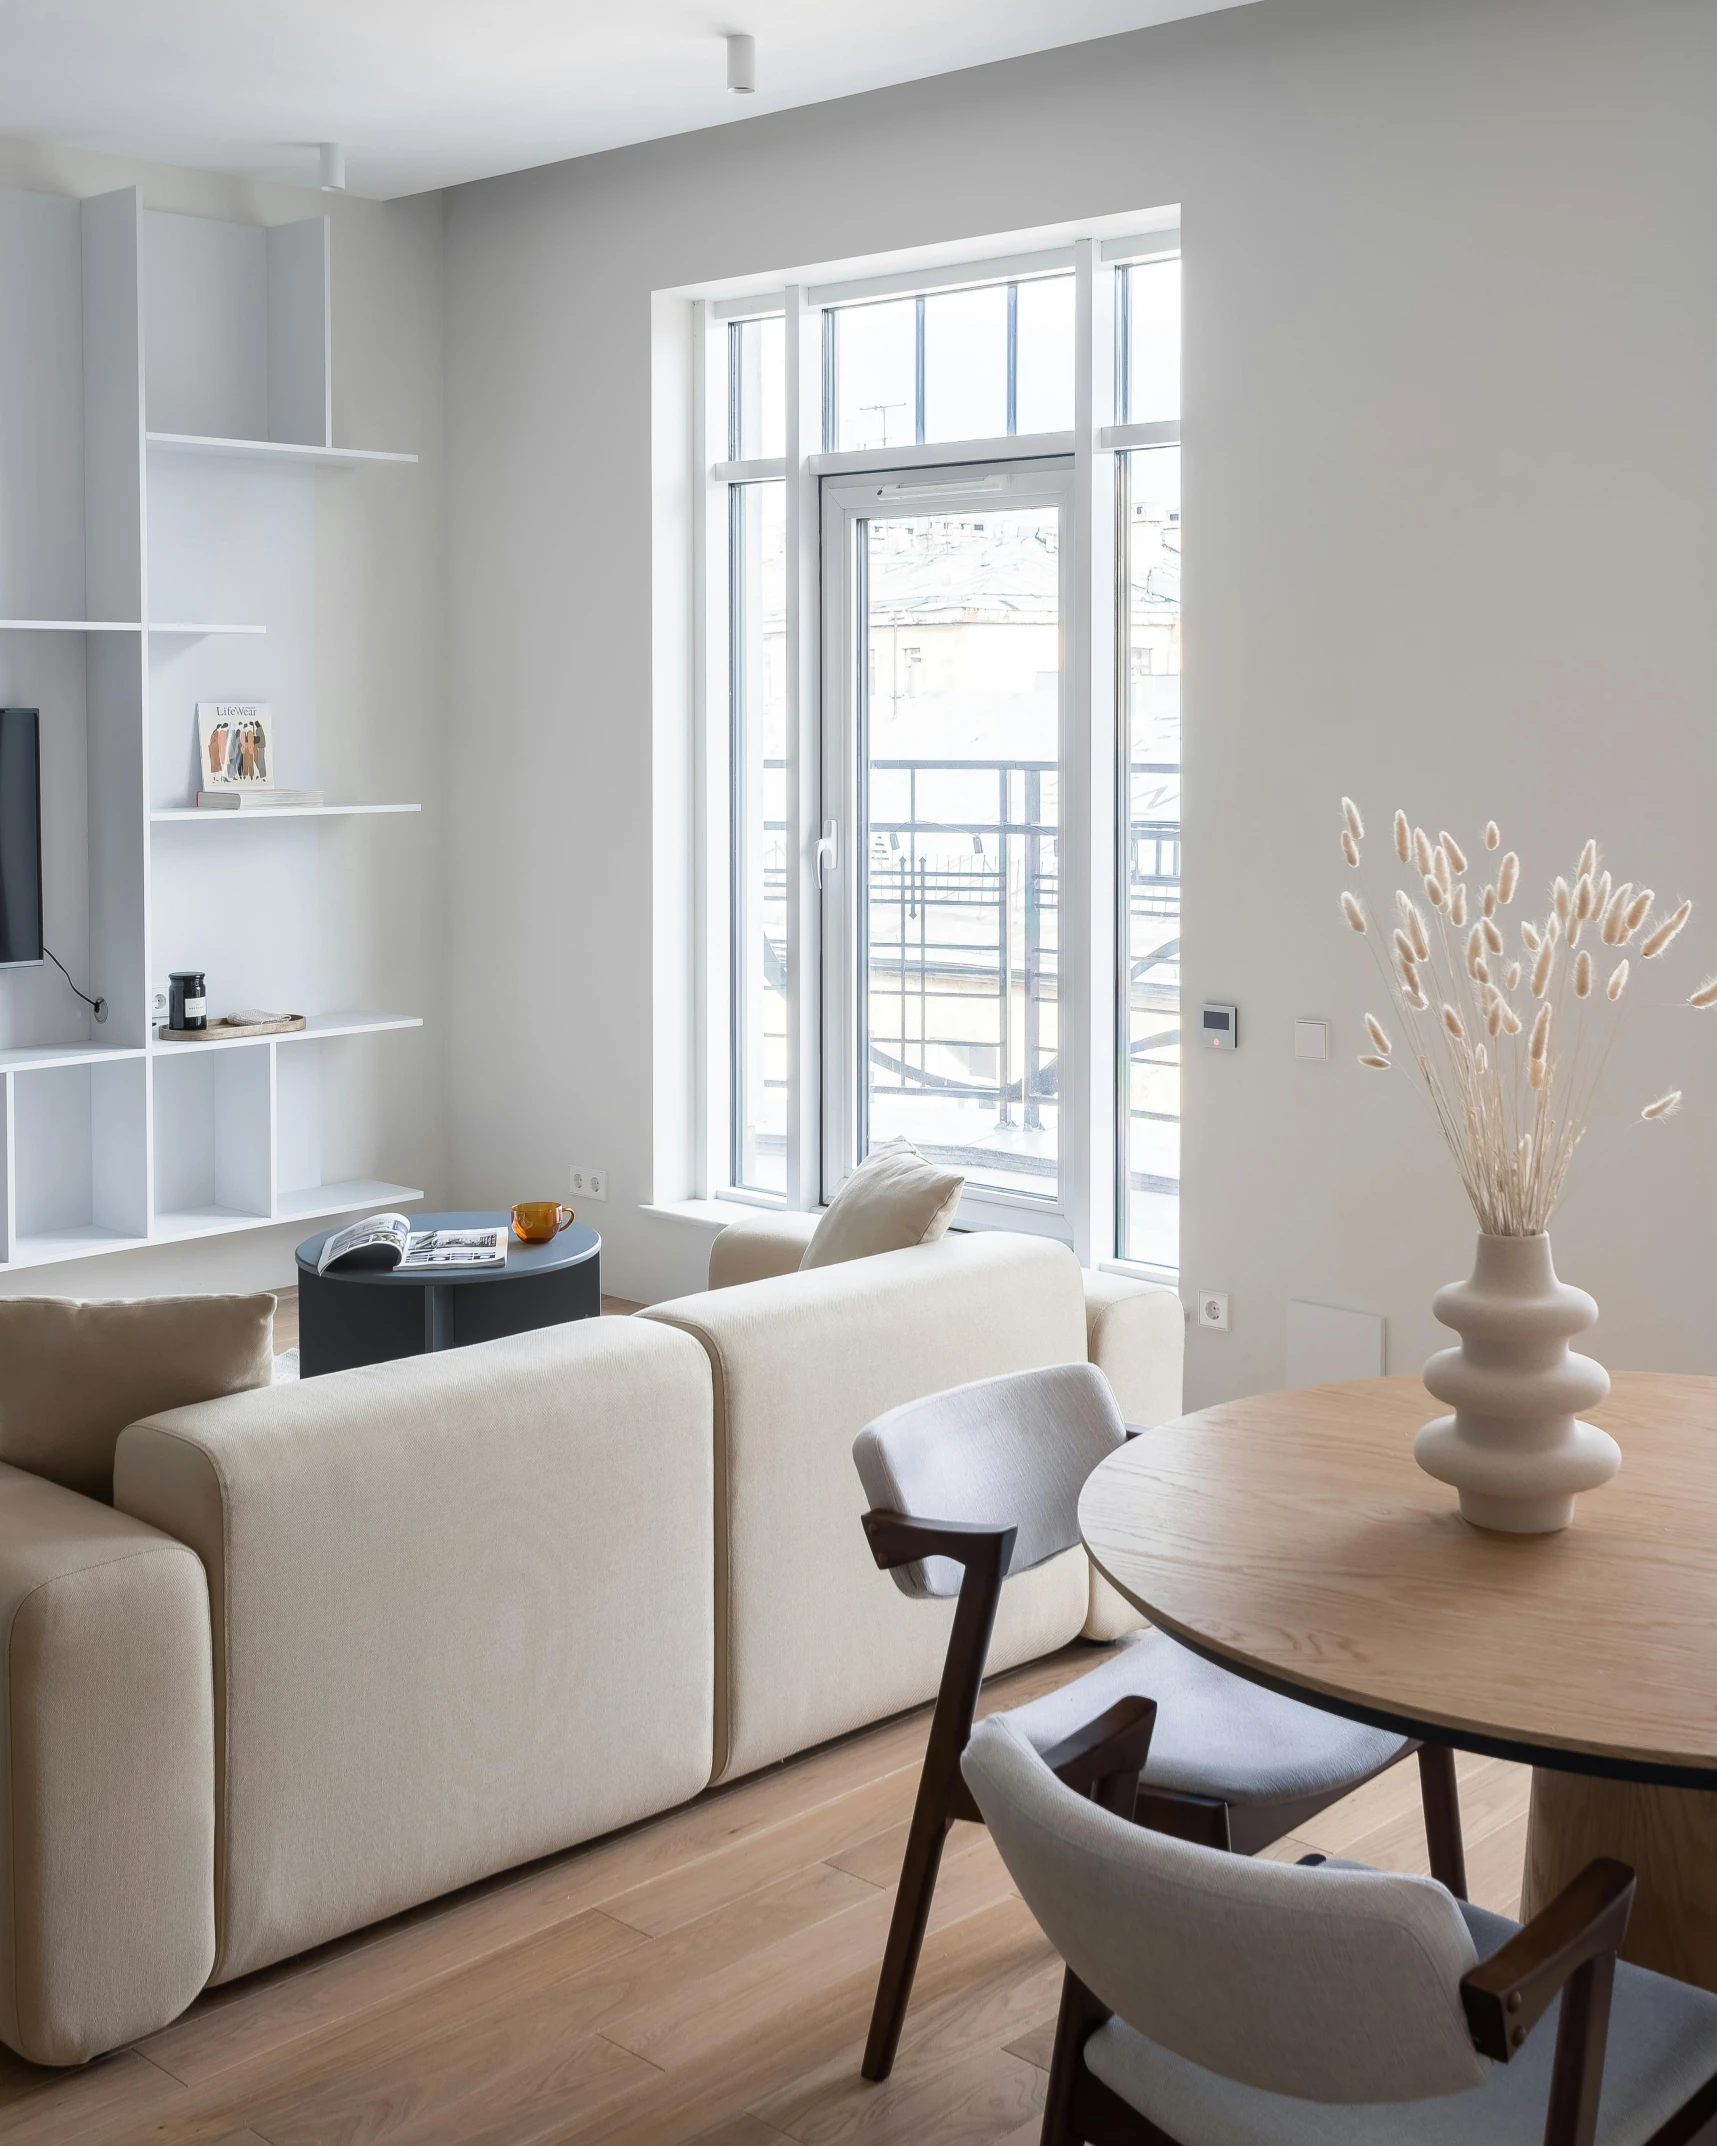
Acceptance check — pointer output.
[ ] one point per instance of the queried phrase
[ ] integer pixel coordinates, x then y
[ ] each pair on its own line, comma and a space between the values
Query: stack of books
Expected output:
258, 800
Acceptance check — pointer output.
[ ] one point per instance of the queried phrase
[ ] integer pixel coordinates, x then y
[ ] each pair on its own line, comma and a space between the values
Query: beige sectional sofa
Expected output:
340, 1647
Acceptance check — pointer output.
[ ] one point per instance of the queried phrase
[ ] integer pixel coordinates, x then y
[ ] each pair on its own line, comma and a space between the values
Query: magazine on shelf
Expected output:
258, 799
389, 1241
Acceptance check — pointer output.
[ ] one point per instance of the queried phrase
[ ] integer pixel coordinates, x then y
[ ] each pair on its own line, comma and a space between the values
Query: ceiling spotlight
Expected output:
333, 180
741, 64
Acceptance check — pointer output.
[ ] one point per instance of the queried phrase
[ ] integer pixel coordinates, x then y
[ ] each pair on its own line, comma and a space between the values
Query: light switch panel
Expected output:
1311, 1039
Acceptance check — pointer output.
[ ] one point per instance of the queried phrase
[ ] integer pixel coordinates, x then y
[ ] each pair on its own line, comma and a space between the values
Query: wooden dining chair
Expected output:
970, 1485
1211, 1997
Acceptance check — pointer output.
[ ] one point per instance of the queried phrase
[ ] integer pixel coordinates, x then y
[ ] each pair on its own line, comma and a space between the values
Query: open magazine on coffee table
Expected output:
390, 1242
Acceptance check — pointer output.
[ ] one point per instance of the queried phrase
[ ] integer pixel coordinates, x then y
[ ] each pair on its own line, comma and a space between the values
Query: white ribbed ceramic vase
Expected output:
1515, 1448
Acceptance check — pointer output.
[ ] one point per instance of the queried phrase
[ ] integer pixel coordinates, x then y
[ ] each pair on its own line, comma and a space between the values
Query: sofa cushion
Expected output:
72, 1376
893, 1200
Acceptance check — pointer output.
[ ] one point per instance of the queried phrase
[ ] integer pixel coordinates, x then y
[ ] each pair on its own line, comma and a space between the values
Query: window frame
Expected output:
1093, 719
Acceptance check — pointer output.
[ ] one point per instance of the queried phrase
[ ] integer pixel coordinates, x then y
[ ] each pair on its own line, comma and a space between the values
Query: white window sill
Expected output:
708, 1214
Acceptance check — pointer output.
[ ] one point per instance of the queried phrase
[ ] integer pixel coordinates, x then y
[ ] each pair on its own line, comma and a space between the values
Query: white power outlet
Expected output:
588, 1184
1213, 1309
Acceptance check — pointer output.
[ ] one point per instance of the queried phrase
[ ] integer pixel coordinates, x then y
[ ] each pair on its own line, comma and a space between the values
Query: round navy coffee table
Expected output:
363, 1315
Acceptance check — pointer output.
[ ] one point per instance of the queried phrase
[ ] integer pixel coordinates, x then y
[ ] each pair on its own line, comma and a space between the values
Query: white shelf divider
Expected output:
184, 815
199, 633
287, 451
70, 625
319, 1028
305, 1203
39, 1057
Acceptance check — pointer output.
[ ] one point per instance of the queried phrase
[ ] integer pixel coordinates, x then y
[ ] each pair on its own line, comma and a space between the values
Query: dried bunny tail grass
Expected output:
1637, 912
1492, 834
1452, 1022
1618, 983
1349, 847
1481, 1060
1420, 936
1537, 1073
1588, 859
1457, 856
1564, 897
1371, 1059
1355, 825
1458, 905
1511, 976
1706, 995
1583, 974
1354, 914
1440, 865
1403, 948
1416, 998
1492, 937
1665, 1107
1493, 1019
1510, 1019
1615, 913
1665, 932
1379, 1035
1422, 852
1487, 902
1481, 974
1434, 894
1584, 896
1541, 968
1403, 837
1539, 1042
1508, 878
1529, 936
1601, 893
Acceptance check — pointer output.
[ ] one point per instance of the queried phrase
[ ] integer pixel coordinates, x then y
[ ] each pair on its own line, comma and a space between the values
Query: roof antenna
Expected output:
741, 63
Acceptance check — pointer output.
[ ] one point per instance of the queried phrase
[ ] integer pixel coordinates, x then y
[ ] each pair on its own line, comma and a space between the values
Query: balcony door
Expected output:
944, 601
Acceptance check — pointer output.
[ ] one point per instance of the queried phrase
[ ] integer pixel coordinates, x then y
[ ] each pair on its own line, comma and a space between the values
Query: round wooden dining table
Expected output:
1291, 1538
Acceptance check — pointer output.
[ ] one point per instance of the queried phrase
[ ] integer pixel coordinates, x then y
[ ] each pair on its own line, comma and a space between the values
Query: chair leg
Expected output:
1079, 2018
1442, 1801
931, 1819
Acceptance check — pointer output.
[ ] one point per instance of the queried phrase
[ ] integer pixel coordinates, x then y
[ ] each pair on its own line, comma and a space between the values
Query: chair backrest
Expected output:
1011, 1451
1333, 1985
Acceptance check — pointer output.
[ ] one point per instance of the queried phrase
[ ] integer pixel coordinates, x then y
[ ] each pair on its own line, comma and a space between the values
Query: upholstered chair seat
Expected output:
1216, 1733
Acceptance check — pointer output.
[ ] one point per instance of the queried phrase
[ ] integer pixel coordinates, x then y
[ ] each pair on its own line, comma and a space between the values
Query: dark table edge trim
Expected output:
1554, 1758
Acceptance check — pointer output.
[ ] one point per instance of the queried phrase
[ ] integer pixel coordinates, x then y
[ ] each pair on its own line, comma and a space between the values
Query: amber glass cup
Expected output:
536, 1221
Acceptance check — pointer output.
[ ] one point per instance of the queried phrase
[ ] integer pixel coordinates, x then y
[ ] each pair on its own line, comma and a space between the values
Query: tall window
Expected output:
757, 694
1149, 1131
958, 902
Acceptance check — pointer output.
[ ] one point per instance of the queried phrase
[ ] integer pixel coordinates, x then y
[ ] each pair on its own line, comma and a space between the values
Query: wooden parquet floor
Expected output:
706, 1976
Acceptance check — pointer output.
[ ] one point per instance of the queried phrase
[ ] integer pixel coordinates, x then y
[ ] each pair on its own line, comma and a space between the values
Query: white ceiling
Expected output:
426, 93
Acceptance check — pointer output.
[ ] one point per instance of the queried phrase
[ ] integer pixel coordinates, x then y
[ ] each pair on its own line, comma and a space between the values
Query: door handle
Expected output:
827, 856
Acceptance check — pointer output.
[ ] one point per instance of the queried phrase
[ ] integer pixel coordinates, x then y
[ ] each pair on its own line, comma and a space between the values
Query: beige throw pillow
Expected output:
893, 1199
72, 1376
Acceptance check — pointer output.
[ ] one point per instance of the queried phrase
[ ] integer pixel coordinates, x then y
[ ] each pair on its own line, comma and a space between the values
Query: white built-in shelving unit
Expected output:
166, 412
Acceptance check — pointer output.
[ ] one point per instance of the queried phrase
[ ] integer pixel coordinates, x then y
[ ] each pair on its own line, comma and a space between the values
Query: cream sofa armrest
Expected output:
107, 1803
770, 1242
1135, 1333
463, 1618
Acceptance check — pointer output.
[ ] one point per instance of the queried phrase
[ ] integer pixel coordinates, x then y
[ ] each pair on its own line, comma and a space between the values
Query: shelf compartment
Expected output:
77, 1152
214, 1138
285, 451
184, 815
308, 1203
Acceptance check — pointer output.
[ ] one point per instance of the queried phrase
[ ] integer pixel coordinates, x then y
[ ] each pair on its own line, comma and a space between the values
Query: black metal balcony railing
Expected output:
958, 953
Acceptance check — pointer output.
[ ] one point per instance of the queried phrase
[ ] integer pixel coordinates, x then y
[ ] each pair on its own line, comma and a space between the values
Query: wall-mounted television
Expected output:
20, 838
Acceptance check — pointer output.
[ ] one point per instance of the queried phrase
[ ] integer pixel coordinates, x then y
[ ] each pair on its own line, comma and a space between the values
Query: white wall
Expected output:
1451, 452
369, 670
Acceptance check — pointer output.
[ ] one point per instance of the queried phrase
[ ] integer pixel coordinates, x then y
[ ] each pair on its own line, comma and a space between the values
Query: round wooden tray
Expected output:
225, 1030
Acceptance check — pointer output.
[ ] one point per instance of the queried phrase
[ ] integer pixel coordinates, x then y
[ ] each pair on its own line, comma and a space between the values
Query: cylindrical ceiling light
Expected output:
741, 64
333, 168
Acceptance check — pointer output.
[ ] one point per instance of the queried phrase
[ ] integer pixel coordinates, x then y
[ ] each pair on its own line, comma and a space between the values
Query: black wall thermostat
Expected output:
1221, 1028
